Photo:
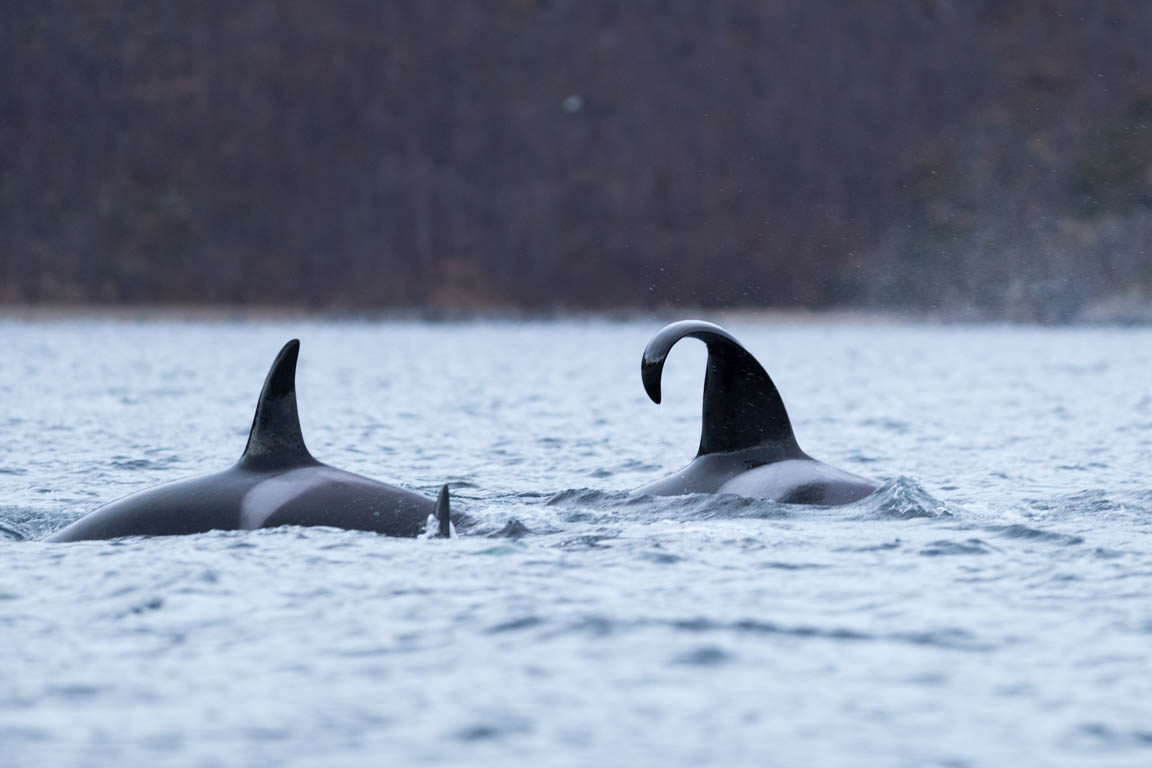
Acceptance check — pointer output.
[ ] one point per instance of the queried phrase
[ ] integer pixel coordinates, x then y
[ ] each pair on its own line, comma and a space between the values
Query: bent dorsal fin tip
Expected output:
276, 437
742, 408
652, 364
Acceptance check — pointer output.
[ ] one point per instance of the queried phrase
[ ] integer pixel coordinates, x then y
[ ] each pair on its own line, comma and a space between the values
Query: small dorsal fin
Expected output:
742, 408
276, 438
443, 515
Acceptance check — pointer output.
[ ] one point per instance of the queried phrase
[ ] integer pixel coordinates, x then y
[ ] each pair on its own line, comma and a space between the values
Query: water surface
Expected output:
991, 605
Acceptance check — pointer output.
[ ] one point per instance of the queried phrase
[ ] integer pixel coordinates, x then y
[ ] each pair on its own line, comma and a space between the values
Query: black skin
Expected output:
276, 482
747, 446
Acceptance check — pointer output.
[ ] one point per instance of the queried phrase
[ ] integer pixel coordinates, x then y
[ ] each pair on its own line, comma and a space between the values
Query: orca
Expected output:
275, 482
747, 446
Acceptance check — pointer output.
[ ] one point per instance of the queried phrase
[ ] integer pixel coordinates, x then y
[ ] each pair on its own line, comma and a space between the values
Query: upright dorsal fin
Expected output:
275, 439
443, 515
742, 408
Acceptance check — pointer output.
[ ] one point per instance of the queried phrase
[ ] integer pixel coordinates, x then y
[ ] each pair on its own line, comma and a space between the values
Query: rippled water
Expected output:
991, 605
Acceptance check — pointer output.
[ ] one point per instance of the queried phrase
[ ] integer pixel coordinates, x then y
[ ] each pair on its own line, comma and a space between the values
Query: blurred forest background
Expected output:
973, 158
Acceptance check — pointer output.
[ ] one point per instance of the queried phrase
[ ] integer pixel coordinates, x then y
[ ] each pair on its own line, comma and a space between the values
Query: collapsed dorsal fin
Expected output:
742, 408
443, 515
276, 438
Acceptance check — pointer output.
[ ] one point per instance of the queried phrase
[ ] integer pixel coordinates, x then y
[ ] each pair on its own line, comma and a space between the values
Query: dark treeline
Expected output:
991, 157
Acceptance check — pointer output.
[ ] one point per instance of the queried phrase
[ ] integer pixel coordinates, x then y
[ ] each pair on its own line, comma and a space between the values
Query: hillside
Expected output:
982, 158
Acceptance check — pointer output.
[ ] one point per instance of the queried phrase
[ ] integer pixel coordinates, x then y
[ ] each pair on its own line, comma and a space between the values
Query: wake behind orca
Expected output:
747, 446
275, 482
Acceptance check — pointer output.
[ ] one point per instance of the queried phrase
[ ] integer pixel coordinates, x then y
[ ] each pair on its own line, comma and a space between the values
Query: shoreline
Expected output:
1128, 316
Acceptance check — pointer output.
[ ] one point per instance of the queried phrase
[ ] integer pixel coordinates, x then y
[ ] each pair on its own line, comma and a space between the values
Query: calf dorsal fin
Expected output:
443, 515
742, 408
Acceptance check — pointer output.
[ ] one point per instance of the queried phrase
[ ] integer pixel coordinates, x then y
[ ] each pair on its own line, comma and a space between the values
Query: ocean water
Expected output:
991, 605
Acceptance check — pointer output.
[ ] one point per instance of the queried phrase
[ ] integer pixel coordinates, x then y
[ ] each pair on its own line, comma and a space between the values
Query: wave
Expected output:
903, 498
953, 638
